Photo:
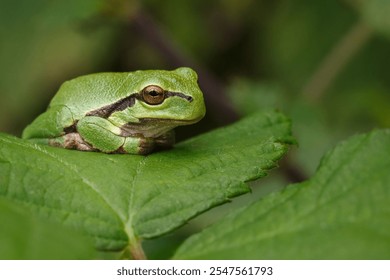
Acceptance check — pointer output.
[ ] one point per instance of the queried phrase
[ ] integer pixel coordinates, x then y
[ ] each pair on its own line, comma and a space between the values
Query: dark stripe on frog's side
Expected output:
129, 101
178, 94
106, 111
71, 129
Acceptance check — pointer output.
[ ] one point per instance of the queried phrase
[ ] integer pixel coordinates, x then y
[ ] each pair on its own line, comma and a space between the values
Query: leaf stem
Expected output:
135, 247
333, 63
136, 250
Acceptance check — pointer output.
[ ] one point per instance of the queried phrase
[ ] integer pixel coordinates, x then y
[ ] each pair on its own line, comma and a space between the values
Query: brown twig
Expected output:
214, 91
292, 171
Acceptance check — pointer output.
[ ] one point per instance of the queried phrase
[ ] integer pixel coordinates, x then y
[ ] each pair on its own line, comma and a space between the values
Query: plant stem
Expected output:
342, 53
136, 250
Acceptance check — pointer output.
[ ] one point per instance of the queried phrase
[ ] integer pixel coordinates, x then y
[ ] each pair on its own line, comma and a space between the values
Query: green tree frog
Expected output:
131, 112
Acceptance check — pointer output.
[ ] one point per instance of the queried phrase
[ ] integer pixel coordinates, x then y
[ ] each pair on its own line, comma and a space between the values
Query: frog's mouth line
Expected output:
129, 101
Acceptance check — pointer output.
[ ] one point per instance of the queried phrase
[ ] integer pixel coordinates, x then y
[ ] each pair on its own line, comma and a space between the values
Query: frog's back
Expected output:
75, 99
86, 93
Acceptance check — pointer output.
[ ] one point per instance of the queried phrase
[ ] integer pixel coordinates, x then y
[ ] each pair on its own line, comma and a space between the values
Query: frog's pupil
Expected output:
153, 93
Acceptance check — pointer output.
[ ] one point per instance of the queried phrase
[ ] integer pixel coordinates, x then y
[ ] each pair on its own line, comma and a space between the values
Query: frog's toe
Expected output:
139, 146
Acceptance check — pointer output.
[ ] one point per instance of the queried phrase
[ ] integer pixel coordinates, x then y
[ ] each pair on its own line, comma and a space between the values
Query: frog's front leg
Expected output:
101, 135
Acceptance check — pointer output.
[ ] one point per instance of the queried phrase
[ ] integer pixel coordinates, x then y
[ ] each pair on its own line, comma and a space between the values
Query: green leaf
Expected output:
24, 236
119, 199
342, 212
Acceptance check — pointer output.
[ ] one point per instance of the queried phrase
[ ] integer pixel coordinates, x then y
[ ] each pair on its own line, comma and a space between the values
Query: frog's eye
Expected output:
153, 95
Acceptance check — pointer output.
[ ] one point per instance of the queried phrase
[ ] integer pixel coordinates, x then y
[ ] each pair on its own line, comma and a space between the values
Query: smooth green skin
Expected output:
125, 129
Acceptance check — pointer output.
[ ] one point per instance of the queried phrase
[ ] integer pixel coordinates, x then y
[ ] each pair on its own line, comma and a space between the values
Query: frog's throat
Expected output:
153, 127
129, 101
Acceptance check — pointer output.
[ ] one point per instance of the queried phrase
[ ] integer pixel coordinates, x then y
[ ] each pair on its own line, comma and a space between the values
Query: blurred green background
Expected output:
325, 64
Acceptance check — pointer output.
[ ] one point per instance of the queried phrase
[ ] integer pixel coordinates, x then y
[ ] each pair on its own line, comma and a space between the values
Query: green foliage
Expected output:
266, 54
44, 41
120, 198
24, 236
340, 213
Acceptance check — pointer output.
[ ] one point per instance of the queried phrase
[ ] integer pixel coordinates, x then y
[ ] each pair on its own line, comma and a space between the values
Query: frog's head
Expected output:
168, 96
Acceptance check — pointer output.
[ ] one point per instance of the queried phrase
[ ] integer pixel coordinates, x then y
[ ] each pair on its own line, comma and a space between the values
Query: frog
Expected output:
120, 112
